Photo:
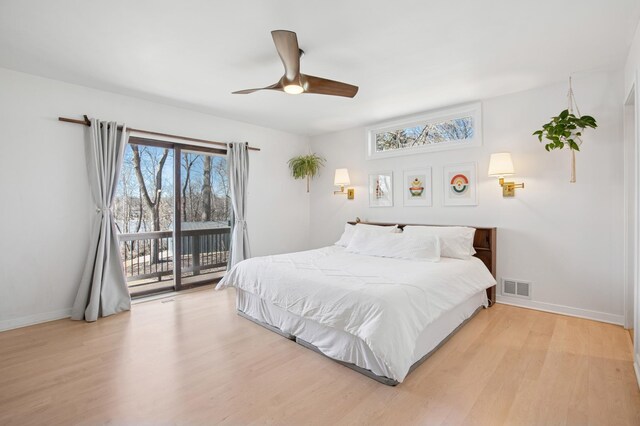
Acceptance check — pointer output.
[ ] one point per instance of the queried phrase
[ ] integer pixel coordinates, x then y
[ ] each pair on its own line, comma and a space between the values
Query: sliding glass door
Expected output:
205, 216
173, 213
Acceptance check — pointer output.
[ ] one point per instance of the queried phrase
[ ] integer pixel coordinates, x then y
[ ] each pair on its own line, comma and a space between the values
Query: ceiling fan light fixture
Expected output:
293, 82
293, 89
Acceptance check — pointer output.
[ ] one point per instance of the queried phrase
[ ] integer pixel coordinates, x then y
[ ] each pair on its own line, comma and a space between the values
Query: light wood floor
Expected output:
192, 360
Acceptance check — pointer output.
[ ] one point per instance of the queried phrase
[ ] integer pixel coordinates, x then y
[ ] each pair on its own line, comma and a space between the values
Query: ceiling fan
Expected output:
293, 81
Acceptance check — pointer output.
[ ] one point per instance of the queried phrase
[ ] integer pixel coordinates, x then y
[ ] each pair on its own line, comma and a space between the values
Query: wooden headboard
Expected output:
484, 243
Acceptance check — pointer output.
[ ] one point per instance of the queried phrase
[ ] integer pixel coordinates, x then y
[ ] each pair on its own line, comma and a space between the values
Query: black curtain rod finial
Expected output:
86, 120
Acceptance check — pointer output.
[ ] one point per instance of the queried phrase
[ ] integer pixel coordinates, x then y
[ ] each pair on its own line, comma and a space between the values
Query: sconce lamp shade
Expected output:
341, 178
501, 164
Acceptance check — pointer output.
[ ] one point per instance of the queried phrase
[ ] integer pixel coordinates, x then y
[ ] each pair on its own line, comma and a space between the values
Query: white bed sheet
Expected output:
346, 347
385, 302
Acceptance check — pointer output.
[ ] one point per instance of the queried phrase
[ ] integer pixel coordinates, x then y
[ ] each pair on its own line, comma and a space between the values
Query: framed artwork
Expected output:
381, 189
460, 185
417, 187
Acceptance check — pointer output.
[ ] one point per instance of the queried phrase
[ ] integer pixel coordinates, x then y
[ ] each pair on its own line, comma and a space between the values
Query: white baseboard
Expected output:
10, 324
636, 367
561, 309
523, 303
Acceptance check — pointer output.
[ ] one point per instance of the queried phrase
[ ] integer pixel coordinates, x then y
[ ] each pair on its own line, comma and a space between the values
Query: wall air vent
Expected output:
508, 286
516, 288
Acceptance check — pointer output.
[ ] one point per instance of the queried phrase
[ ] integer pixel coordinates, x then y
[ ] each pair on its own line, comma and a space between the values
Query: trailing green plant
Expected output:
565, 129
306, 166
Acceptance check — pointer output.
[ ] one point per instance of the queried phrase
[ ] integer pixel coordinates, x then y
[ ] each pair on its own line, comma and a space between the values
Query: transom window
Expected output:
450, 128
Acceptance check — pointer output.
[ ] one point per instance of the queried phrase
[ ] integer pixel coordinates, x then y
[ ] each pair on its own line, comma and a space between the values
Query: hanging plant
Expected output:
566, 130
306, 166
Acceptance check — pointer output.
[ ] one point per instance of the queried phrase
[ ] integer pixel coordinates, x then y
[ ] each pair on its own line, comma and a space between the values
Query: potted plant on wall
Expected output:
566, 129
306, 166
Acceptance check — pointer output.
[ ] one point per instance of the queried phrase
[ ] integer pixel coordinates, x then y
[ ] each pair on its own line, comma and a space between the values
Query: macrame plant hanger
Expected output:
571, 100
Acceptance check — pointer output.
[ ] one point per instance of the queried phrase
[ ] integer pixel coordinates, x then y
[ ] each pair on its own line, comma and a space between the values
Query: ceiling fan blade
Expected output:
287, 46
323, 86
277, 86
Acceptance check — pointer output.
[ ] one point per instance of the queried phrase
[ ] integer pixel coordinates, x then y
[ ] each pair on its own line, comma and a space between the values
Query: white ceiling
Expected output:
406, 56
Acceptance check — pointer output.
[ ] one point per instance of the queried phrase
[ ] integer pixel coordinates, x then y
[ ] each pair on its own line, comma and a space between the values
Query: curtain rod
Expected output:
86, 122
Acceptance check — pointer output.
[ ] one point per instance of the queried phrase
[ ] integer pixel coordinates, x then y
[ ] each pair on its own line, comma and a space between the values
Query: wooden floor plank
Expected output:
189, 359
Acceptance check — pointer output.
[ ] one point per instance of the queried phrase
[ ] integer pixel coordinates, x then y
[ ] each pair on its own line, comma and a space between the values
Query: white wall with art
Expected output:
460, 184
546, 231
381, 189
417, 187
459, 187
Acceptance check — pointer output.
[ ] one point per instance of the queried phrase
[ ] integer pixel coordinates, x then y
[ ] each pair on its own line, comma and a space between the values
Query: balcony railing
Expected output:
149, 256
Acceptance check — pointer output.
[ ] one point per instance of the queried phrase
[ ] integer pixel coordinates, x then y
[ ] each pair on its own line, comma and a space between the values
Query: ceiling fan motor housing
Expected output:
293, 81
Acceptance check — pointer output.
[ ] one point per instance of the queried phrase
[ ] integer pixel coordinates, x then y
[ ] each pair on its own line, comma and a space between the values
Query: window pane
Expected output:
205, 188
143, 211
206, 215
144, 195
455, 130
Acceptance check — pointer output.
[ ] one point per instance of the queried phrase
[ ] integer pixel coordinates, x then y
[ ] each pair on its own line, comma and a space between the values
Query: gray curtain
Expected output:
238, 163
103, 289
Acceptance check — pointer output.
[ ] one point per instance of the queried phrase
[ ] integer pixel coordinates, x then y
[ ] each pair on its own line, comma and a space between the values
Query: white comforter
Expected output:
385, 302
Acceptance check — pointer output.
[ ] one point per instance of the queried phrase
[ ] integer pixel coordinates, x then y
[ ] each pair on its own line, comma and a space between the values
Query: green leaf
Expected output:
305, 165
564, 129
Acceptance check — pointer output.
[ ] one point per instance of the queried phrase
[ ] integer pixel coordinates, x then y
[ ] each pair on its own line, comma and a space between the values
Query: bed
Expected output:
379, 316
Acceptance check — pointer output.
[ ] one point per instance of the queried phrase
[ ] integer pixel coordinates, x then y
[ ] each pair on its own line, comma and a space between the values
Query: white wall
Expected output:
630, 207
632, 64
45, 201
565, 238
631, 73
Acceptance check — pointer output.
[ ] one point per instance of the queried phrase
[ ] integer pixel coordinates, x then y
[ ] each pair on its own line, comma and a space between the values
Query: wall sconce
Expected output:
501, 165
341, 179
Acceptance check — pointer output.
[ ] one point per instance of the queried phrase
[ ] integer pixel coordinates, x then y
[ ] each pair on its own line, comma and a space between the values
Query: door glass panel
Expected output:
205, 216
143, 209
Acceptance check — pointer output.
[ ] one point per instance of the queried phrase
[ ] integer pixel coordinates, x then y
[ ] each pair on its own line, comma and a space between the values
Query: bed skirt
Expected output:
347, 349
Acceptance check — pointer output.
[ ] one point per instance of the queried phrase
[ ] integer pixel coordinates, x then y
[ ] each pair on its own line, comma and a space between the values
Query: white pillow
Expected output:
346, 235
363, 234
350, 229
455, 241
396, 245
